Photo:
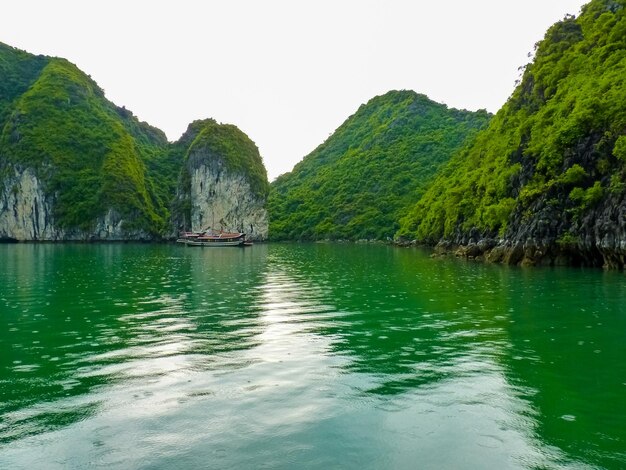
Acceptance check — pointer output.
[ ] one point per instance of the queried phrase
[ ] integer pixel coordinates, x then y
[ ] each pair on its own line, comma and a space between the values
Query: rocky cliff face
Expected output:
222, 200
74, 166
218, 198
27, 214
25, 209
545, 183
596, 238
223, 185
554, 228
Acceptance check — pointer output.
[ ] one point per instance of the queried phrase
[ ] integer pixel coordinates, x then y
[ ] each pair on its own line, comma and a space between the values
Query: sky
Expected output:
286, 72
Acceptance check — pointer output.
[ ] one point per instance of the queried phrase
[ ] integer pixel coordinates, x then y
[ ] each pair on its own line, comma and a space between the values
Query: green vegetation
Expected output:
222, 147
376, 164
65, 129
559, 140
94, 156
18, 70
236, 151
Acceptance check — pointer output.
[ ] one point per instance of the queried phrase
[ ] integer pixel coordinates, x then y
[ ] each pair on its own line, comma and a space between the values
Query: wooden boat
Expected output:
213, 238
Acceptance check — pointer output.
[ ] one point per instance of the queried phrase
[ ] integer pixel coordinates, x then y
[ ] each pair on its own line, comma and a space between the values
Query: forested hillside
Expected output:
376, 164
75, 165
545, 181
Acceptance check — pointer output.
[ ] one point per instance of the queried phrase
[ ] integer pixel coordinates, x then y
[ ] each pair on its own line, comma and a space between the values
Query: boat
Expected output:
213, 238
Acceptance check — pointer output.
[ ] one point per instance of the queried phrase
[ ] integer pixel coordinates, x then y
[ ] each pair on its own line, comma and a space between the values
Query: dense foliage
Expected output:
559, 141
18, 70
94, 156
376, 164
233, 149
82, 147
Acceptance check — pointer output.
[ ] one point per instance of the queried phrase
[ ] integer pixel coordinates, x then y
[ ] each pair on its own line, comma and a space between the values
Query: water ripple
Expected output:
316, 355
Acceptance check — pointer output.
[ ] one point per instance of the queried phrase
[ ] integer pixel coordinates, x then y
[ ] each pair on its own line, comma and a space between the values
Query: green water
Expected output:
305, 356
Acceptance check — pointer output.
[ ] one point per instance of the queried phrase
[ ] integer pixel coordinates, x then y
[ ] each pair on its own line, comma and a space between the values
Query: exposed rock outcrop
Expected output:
74, 166
545, 183
27, 214
597, 238
25, 209
223, 185
223, 200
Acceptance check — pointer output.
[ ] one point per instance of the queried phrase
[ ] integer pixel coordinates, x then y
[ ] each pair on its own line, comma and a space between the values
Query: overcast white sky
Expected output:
286, 72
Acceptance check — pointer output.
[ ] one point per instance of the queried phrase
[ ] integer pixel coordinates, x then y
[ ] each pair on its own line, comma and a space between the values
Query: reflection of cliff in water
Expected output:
223, 297
402, 316
567, 345
79, 317
521, 361
551, 341
68, 326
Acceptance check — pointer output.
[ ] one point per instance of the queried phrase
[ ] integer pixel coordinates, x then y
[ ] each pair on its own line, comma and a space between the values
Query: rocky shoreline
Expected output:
527, 254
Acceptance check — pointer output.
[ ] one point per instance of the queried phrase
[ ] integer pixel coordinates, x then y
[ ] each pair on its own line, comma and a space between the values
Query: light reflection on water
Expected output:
137, 356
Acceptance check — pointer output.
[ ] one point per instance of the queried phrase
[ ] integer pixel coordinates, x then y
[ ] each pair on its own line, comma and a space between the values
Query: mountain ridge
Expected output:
93, 168
354, 184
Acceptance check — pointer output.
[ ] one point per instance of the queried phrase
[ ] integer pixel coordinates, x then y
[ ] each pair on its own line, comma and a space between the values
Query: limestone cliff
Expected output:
25, 209
221, 200
545, 183
223, 184
74, 166
27, 214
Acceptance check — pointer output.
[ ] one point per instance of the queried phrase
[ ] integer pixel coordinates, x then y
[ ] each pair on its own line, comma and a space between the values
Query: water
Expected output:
305, 356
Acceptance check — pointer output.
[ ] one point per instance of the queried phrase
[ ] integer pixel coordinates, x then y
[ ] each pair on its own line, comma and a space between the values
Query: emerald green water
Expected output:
305, 356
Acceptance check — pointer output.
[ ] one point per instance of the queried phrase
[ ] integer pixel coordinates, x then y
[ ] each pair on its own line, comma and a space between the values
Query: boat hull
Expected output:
211, 243
212, 238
